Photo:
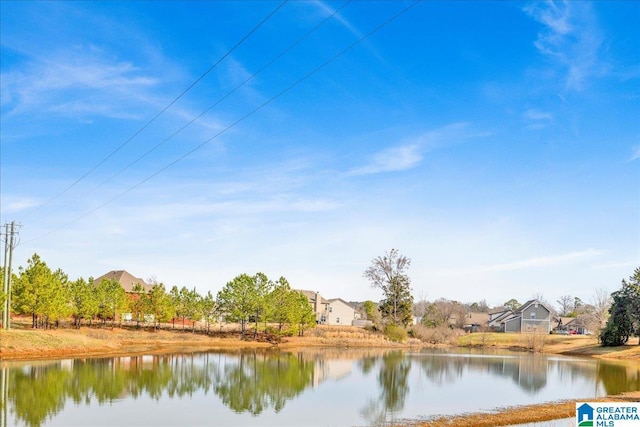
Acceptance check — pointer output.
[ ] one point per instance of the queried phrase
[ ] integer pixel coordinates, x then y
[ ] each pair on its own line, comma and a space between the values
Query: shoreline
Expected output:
26, 344
515, 415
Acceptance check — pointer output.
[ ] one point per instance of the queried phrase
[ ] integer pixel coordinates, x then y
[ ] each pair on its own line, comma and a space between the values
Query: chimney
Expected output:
317, 305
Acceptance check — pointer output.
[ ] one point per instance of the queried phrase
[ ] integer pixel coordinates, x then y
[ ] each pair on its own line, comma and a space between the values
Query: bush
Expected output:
396, 333
534, 340
438, 335
612, 336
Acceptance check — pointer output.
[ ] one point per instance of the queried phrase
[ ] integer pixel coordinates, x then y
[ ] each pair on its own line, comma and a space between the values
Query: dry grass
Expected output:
28, 344
439, 335
518, 415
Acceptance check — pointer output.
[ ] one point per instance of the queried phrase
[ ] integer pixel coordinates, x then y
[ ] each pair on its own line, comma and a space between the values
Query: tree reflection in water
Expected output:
248, 382
393, 380
256, 381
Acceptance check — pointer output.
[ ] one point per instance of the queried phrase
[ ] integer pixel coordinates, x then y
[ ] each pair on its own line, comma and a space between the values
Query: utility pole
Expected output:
9, 244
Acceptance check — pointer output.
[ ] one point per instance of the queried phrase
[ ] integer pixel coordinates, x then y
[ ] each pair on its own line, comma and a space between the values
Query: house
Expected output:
496, 316
573, 325
320, 305
475, 321
340, 312
128, 283
529, 317
126, 280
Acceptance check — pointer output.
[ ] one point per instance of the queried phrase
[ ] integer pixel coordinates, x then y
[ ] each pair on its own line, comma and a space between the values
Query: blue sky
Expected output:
496, 144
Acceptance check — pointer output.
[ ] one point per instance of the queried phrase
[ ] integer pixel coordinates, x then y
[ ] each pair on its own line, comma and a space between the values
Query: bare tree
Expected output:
420, 308
565, 303
601, 302
389, 273
444, 312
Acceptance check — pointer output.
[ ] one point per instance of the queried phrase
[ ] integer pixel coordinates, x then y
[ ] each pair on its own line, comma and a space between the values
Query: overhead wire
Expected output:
239, 120
154, 118
216, 103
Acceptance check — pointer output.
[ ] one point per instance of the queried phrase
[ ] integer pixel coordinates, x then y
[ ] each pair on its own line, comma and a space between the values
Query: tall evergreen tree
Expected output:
84, 303
159, 305
41, 293
237, 300
624, 313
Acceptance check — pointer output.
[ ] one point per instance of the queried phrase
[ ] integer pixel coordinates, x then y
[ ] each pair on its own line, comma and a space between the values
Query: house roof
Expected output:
527, 304
312, 295
126, 280
503, 316
565, 320
332, 300
474, 317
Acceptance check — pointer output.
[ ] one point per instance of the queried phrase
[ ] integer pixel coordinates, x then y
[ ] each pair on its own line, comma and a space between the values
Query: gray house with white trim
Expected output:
532, 316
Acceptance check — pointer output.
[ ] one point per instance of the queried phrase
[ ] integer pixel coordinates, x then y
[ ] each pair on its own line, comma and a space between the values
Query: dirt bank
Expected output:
518, 414
29, 344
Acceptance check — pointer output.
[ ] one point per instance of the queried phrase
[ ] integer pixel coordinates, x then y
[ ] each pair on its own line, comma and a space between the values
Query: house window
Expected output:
533, 315
330, 309
337, 320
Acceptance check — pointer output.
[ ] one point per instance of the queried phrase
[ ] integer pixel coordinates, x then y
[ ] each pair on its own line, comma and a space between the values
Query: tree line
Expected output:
48, 297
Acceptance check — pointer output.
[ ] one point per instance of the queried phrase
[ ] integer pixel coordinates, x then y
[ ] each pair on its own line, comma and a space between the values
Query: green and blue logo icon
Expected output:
584, 415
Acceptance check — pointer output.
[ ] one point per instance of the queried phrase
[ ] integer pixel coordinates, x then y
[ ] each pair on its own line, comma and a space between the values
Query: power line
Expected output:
208, 109
241, 119
153, 119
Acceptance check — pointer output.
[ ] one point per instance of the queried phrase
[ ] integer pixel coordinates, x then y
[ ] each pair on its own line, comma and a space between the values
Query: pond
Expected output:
324, 387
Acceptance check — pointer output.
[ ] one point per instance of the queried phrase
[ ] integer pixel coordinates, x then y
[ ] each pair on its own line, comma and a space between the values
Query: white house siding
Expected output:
340, 313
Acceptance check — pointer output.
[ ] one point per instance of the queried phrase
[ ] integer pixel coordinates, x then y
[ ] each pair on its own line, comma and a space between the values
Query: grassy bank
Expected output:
23, 343
29, 344
574, 345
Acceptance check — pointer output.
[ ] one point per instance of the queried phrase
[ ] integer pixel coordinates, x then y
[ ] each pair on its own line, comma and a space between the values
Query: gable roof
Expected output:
529, 303
126, 280
502, 316
312, 296
475, 317
498, 310
332, 300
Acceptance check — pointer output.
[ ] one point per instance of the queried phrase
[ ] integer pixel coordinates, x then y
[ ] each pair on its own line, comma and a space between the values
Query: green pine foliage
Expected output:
48, 296
624, 319
389, 274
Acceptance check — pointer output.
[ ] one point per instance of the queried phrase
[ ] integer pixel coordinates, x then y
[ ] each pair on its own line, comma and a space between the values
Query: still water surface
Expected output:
327, 387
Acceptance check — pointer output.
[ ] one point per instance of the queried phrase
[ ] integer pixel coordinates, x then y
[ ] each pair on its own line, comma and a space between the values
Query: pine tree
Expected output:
624, 313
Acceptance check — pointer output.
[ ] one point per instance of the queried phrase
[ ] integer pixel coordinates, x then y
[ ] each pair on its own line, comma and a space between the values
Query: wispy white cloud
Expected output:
537, 115
543, 261
635, 155
410, 153
537, 119
325, 8
392, 160
99, 86
13, 205
571, 38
